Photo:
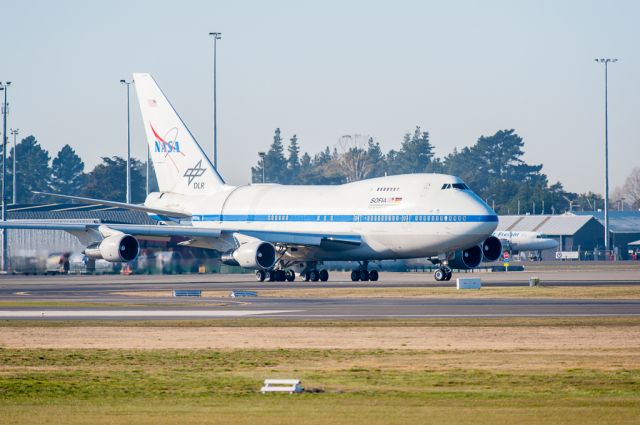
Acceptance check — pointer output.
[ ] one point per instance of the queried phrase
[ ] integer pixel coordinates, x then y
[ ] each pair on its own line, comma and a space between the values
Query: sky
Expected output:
320, 70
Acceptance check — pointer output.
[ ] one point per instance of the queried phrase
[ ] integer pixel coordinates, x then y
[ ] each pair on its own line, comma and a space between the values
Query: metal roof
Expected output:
565, 224
619, 221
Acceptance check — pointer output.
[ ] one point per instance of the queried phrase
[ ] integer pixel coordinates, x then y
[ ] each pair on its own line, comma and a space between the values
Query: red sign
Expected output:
505, 255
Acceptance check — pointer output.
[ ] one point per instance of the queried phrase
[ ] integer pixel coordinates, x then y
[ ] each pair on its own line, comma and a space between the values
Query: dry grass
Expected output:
564, 292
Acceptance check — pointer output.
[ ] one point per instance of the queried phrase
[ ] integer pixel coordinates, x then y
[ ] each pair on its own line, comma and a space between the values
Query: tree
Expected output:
108, 180
376, 159
631, 189
415, 154
353, 159
32, 171
275, 162
67, 172
293, 162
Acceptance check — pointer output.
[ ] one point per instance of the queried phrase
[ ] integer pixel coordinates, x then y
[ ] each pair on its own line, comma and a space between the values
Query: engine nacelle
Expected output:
468, 259
118, 248
252, 255
491, 249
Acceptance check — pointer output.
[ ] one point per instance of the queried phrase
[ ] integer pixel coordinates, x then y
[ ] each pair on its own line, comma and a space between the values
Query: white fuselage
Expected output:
525, 241
404, 216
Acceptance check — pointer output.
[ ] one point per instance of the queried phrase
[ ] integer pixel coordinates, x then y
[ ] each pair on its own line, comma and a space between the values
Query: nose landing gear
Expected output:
443, 274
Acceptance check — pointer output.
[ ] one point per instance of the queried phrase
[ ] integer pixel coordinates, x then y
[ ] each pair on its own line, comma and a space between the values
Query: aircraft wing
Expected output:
326, 241
131, 229
135, 207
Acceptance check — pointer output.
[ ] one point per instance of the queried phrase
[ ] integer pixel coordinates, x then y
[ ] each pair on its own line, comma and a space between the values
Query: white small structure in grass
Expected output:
282, 386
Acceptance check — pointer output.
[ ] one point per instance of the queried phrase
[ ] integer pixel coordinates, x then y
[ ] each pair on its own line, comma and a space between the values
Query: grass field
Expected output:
358, 387
570, 384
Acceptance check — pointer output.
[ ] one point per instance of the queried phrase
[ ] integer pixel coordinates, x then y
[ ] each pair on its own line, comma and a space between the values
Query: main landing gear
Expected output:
315, 275
275, 275
362, 273
443, 274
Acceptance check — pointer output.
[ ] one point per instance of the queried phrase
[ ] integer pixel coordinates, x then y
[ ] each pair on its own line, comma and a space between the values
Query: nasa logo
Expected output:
165, 146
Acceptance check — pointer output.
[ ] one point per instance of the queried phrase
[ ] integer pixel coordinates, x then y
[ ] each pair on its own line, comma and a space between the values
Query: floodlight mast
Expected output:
606, 62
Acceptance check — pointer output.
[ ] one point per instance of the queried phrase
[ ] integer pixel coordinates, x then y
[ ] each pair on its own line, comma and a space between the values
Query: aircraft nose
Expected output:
482, 214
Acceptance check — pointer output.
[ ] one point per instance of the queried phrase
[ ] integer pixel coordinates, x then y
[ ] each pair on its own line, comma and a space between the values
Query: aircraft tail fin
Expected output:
180, 164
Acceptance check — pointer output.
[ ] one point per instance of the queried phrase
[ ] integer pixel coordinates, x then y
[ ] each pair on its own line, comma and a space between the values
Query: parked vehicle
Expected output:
57, 263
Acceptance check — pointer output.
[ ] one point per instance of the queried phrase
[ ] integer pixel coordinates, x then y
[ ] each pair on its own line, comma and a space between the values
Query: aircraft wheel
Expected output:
364, 275
270, 275
439, 275
314, 275
291, 276
324, 275
355, 275
306, 276
260, 275
280, 275
373, 275
448, 275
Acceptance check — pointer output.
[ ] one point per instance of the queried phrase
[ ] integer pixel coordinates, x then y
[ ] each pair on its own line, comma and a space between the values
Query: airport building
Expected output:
582, 231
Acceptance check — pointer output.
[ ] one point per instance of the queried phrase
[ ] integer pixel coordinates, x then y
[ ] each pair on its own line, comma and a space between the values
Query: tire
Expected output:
439, 275
314, 275
324, 275
364, 275
260, 275
280, 275
306, 276
373, 275
355, 275
291, 275
269, 275
448, 275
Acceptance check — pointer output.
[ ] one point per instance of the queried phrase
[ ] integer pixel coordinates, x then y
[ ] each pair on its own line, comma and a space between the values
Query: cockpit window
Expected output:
459, 186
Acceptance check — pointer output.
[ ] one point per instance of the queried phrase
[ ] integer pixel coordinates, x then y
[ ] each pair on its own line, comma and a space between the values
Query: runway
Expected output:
105, 297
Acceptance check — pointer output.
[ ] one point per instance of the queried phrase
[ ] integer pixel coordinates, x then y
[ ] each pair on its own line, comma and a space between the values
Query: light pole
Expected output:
4, 263
606, 62
262, 155
148, 167
216, 36
14, 132
128, 83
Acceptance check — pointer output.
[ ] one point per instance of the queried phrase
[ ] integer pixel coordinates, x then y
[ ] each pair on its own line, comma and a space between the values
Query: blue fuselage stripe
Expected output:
363, 218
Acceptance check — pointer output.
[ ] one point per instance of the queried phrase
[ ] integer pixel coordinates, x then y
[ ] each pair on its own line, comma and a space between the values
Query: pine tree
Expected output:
293, 162
32, 171
67, 172
275, 162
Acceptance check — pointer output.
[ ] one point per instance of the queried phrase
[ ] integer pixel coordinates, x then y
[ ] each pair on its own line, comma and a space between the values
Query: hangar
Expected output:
580, 231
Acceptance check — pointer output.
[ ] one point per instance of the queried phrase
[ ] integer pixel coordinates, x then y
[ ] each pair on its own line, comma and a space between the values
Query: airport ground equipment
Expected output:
237, 294
468, 283
282, 386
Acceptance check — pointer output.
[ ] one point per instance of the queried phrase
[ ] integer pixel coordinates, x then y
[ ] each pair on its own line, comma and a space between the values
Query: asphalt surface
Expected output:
47, 292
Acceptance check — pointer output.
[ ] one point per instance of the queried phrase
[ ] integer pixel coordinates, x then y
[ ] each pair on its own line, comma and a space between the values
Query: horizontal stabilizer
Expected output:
134, 207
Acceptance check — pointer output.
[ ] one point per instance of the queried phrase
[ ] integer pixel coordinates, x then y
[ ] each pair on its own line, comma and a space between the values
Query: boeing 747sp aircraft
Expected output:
282, 231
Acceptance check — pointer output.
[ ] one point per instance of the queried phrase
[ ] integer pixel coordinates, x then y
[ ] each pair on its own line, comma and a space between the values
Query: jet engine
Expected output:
467, 259
252, 255
491, 249
115, 248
